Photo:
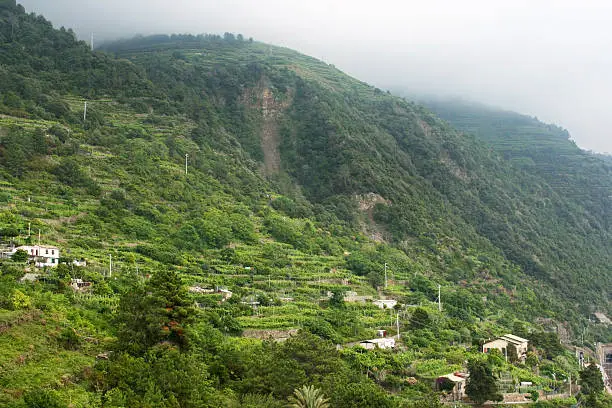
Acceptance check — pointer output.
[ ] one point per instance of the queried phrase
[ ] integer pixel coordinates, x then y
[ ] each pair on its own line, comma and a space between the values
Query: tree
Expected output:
419, 319
69, 172
481, 385
308, 397
337, 298
360, 394
41, 398
162, 377
20, 256
532, 360
512, 353
591, 380
20, 300
429, 401
156, 312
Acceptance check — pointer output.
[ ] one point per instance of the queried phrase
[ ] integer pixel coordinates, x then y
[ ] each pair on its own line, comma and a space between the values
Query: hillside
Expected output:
538, 148
224, 164
341, 138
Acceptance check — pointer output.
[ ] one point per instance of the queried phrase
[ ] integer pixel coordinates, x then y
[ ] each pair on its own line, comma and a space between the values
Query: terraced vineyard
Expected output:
182, 250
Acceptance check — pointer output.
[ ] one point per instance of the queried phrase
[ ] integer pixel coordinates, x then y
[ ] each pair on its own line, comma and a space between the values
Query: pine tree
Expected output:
158, 311
481, 385
591, 380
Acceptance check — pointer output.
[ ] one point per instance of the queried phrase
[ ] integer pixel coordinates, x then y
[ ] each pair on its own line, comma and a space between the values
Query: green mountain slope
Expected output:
538, 148
337, 138
223, 162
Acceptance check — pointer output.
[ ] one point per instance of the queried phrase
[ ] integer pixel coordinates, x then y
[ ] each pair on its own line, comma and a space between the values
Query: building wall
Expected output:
389, 304
495, 344
521, 349
605, 359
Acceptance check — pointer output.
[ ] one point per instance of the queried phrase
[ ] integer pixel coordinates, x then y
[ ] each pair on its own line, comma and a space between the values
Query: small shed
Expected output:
381, 343
453, 384
385, 303
80, 284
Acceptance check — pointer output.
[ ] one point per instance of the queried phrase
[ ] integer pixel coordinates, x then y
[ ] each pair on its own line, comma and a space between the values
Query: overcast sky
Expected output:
545, 58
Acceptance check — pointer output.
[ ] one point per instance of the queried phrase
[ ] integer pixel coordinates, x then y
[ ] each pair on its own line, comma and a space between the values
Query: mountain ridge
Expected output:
168, 174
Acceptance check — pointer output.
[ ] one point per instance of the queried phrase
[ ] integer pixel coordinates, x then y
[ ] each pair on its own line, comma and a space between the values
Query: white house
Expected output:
501, 343
385, 303
381, 343
42, 255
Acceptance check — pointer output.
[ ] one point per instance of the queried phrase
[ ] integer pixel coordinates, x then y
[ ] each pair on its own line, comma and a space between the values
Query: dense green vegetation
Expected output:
301, 184
542, 149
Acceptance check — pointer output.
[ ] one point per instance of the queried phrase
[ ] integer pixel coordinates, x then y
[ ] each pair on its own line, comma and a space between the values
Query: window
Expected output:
609, 358
46, 252
53, 252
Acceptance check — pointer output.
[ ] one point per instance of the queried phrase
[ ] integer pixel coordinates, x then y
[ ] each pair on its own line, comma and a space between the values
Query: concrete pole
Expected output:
385, 275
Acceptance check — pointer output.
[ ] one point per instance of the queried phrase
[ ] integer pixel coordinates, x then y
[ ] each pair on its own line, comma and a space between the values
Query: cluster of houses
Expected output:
41, 255
454, 383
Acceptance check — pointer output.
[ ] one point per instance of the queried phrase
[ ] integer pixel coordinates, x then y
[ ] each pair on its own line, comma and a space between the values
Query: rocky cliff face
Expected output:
271, 106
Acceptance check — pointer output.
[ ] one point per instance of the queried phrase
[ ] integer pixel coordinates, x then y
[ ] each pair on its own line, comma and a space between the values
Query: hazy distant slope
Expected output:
539, 148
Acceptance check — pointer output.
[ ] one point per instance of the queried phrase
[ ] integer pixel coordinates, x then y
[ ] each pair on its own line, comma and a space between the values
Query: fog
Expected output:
545, 58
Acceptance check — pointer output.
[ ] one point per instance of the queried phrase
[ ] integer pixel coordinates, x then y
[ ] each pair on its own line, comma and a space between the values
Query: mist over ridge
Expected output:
543, 59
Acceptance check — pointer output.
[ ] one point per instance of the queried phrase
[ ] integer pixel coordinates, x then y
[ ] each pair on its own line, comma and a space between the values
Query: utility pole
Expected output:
110, 265
570, 384
440, 299
186, 156
92, 43
29, 229
385, 275
38, 237
85, 112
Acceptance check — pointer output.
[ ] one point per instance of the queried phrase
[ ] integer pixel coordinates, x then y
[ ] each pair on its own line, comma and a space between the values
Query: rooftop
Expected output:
514, 339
